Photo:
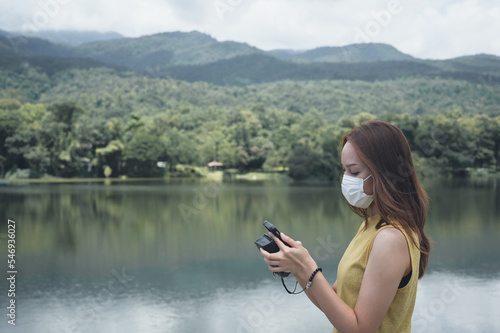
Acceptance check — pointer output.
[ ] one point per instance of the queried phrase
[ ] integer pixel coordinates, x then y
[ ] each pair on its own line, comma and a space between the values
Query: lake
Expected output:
178, 256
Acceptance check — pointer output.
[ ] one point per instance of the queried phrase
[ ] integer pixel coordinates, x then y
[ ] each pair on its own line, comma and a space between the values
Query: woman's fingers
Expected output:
287, 239
270, 256
275, 269
271, 262
287, 258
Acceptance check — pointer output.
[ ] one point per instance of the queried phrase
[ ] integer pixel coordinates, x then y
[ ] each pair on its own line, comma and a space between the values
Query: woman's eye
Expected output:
354, 173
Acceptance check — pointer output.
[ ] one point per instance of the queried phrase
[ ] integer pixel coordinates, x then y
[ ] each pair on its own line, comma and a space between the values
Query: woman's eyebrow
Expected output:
349, 165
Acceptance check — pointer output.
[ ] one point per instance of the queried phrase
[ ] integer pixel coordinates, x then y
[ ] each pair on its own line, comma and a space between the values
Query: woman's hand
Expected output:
295, 259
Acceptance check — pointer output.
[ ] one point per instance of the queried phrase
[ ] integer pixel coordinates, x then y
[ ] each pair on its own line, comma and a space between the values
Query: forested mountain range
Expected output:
116, 107
111, 93
36, 70
194, 56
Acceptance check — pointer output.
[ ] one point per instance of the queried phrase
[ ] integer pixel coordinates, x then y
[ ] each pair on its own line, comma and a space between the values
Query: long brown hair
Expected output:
397, 194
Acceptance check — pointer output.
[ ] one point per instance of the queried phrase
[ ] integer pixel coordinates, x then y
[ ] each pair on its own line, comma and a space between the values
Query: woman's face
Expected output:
353, 166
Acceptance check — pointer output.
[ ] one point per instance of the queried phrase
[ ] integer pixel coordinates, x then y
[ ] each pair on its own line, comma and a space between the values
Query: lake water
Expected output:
179, 256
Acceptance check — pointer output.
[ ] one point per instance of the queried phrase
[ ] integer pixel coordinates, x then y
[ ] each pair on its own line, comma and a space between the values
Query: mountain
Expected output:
48, 58
257, 68
195, 48
480, 63
5, 33
72, 37
49, 65
350, 53
164, 50
286, 54
21, 46
194, 56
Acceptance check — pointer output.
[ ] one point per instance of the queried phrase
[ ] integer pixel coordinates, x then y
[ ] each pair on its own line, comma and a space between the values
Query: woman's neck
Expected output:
373, 210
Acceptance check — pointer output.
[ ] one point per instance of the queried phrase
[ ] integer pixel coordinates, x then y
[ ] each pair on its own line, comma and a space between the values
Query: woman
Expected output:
378, 274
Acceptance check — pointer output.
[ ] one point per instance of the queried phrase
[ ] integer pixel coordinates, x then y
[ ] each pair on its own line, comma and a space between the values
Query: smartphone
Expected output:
268, 244
272, 229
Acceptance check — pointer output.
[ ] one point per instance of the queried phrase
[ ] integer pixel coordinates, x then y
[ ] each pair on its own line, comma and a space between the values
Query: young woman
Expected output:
378, 274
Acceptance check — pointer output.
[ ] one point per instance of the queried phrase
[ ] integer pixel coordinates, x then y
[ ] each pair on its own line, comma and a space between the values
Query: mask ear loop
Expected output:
366, 178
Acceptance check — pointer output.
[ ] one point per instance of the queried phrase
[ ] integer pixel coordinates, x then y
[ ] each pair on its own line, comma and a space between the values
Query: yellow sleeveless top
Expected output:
352, 267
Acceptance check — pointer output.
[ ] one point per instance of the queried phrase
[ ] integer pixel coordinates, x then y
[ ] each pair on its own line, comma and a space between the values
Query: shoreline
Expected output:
213, 176
74, 180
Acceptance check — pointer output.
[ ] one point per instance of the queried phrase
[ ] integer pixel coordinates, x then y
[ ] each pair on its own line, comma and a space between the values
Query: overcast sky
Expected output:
437, 29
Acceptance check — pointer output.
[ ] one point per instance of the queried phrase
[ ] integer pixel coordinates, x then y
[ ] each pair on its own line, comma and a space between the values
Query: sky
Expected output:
437, 29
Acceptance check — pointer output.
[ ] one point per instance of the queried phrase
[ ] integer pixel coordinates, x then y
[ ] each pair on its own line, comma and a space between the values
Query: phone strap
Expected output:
319, 269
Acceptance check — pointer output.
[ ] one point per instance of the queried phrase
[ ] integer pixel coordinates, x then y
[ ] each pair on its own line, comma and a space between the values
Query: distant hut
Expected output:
214, 165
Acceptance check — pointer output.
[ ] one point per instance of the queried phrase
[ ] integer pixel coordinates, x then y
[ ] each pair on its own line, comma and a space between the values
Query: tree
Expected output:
486, 133
446, 142
26, 152
9, 124
141, 155
307, 164
67, 113
111, 156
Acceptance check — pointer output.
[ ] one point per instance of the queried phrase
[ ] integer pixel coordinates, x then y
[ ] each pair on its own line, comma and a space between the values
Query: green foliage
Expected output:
141, 155
305, 164
152, 54
67, 112
197, 57
9, 104
348, 53
110, 94
110, 156
107, 171
67, 116
77, 122
65, 141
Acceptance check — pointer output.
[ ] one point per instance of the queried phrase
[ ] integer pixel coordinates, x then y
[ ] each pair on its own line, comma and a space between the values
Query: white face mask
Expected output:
352, 189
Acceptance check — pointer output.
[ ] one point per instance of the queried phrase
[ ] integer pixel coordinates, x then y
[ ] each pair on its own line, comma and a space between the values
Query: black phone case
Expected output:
268, 244
272, 229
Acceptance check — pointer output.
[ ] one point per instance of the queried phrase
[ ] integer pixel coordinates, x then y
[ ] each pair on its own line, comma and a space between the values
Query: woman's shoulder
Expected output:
391, 248
391, 238
410, 234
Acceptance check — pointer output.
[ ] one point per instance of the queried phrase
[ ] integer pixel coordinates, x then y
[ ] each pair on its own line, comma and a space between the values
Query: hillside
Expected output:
21, 46
349, 53
111, 93
481, 63
17, 53
255, 69
68, 116
72, 37
97, 122
164, 50
194, 56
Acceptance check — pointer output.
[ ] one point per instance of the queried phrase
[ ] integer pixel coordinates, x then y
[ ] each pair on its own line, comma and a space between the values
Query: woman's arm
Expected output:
311, 295
387, 263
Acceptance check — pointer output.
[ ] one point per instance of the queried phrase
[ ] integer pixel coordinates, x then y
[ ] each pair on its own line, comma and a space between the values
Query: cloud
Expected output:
427, 29
460, 28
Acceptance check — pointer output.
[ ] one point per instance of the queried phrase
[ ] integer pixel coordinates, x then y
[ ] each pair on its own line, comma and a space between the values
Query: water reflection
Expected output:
445, 303
179, 257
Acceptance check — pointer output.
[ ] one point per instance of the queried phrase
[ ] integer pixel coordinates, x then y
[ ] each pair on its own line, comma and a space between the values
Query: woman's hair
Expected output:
397, 194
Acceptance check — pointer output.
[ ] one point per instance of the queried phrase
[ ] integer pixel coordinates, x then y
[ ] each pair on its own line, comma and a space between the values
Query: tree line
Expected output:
66, 140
